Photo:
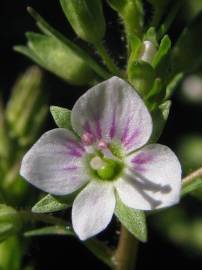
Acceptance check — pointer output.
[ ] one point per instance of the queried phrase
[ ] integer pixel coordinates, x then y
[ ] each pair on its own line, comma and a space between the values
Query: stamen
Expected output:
102, 144
87, 138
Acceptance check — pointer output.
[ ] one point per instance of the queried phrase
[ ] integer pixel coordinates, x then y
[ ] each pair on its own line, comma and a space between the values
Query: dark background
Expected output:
67, 253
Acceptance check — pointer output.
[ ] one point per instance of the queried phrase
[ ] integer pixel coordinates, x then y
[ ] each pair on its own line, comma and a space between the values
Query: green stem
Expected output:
192, 176
125, 255
28, 216
107, 59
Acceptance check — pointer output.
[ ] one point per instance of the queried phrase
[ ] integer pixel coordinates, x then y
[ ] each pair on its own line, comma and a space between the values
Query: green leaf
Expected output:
29, 53
86, 18
159, 116
50, 31
6, 149
186, 54
13, 248
194, 185
155, 90
6, 230
50, 230
60, 59
133, 220
151, 36
61, 116
170, 16
163, 50
171, 87
141, 75
10, 222
134, 47
159, 8
51, 203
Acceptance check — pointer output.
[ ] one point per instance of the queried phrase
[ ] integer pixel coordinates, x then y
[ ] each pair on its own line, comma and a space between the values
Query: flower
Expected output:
107, 158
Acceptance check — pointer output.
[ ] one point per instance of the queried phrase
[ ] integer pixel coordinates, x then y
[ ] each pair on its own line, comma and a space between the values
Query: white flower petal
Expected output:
54, 164
112, 110
154, 180
93, 209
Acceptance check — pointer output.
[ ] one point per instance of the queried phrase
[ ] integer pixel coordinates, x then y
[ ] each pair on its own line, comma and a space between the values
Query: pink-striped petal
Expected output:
112, 110
55, 163
153, 179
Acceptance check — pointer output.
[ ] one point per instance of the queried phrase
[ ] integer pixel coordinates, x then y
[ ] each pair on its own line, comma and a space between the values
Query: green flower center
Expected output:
106, 169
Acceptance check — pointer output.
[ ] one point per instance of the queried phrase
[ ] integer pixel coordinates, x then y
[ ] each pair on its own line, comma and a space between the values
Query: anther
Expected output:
102, 144
87, 138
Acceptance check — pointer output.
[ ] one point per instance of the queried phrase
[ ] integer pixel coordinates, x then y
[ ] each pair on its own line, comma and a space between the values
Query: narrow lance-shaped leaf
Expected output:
163, 50
159, 8
172, 85
141, 76
171, 14
192, 186
50, 31
13, 248
5, 141
131, 13
60, 59
151, 35
50, 230
10, 222
159, 116
86, 18
133, 220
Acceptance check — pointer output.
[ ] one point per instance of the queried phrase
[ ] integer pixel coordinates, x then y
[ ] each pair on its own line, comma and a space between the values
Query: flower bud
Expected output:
60, 59
132, 14
86, 18
147, 51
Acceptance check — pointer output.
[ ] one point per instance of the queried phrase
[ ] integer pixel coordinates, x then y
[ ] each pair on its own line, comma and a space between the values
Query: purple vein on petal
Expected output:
72, 151
88, 129
125, 131
70, 168
74, 148
98, 129
113, 124
141, 161
132, 137
76, 144
142, 158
